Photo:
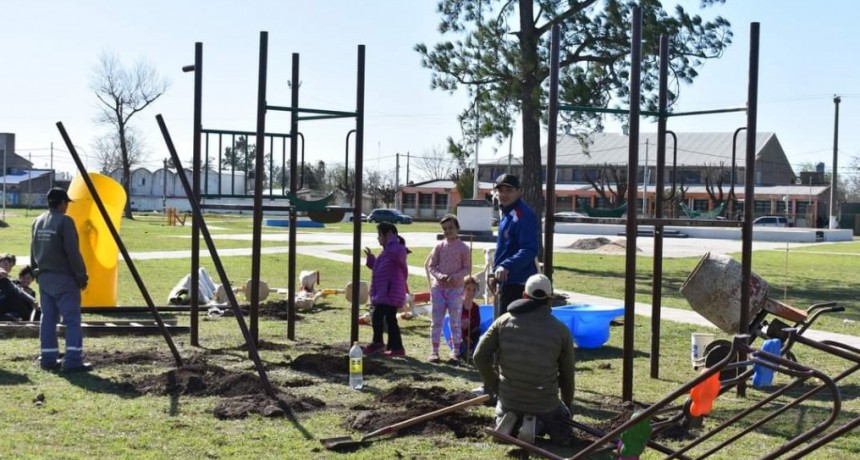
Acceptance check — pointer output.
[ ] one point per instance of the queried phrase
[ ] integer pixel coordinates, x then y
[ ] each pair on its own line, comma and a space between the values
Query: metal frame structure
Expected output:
258, 208
633, 221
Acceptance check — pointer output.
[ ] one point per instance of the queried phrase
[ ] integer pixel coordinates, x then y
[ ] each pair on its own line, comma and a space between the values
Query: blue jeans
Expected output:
61, 297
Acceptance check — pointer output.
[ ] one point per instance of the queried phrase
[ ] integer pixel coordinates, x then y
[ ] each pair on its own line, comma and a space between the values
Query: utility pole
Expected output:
164, 189
52, 165
833, 178
407, 168
29, 182
397, 181
645, 181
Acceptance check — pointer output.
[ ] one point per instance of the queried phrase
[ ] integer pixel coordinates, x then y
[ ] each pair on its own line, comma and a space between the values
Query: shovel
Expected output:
343, 442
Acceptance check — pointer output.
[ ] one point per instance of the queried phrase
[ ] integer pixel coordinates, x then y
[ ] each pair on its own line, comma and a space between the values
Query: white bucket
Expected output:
698, 342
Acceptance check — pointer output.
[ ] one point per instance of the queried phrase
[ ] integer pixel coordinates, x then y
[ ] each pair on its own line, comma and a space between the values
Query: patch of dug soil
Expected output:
200, 379
241, 406
601, 244
325, 364
117, 357
404, 402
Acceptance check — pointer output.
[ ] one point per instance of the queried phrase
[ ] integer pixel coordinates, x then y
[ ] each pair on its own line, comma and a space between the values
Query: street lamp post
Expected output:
833, 180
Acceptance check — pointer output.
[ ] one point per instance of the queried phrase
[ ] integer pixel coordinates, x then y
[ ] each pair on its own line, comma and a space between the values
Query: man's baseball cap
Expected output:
508, 180
58, 195
539, 287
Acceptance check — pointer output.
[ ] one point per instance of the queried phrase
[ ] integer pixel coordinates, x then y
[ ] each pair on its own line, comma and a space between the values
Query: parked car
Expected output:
771, 221
389, 215
363, 217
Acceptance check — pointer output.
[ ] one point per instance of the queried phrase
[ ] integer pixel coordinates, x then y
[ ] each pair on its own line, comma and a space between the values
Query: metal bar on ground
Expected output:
216, 260
115, 234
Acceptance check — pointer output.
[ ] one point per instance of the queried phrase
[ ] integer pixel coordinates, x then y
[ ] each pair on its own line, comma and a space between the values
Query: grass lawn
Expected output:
109, 413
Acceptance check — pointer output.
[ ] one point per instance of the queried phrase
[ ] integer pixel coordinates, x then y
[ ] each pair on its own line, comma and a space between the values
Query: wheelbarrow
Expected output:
713, 290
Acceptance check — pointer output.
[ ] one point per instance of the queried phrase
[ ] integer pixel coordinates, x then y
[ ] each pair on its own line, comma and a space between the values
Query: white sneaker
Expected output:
507, 424
527, 431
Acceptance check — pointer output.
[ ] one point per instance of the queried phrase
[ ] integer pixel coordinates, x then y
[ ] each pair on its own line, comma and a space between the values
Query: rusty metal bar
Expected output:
552, 127
657, 279
216, 260
194, 289
294, 152
259, 154
356, 215
632, 225
115, 234
749, 188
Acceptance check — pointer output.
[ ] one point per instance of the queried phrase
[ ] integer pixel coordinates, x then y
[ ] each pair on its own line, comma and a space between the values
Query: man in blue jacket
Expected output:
517, 243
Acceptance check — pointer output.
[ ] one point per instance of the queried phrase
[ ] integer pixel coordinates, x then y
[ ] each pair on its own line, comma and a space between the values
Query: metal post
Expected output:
833, 177
657, 284
195, 189
552, 132
749, 191
356, 221
632, 220
259, 168
294, 153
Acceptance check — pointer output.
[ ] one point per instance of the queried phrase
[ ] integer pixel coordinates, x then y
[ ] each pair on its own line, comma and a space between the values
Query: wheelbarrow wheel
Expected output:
715, 352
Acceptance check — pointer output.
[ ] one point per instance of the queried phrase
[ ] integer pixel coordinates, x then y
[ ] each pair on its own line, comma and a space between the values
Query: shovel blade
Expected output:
342, 442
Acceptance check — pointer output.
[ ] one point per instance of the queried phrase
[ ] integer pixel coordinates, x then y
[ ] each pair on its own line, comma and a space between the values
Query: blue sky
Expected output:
49, 48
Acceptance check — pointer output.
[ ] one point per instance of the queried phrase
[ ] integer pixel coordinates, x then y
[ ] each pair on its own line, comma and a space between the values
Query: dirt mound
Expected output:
200, 379
242, 406
601, 244
117, 357
404, 402
243, 392
327, 364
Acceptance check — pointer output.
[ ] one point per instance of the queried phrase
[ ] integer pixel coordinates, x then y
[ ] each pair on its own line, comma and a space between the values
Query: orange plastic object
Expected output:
421, 297
99, 250
703, 396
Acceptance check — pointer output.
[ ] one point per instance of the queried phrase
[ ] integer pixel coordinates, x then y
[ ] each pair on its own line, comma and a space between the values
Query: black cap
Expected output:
509, 180
58, 195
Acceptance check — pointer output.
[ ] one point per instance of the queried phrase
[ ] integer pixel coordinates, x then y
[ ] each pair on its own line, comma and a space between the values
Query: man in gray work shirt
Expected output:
61, 273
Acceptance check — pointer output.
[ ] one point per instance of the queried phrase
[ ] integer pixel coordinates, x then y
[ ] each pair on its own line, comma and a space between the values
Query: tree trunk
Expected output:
530, 96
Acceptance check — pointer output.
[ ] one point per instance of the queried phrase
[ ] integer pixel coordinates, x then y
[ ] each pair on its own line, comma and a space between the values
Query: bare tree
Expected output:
124, 92
109, 152
603, 181
434, 164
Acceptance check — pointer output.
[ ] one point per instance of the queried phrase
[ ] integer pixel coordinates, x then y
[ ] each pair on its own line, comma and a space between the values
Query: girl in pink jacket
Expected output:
387, 289
450, 262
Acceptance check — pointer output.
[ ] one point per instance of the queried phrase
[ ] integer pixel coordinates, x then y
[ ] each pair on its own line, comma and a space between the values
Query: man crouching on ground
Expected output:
535, 360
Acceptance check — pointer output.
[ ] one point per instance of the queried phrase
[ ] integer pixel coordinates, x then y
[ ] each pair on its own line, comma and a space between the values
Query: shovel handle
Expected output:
422, 418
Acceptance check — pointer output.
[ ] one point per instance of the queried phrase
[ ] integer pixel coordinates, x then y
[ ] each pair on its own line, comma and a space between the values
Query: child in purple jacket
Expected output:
387, 289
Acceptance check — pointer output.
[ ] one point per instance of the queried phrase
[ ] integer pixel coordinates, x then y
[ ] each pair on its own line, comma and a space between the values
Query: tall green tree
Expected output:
501, 57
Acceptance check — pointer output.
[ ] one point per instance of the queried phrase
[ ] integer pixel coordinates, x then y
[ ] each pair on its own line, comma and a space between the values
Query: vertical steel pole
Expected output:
194, 290
834, 183
632, 220
294, 154
749, 191
259, 168
552, 132
657, 280
359, 190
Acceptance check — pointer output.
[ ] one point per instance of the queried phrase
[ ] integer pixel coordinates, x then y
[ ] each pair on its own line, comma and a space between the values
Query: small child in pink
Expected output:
450, 262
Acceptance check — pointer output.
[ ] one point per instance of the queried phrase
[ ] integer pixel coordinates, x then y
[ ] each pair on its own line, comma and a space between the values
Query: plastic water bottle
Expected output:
356, 367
